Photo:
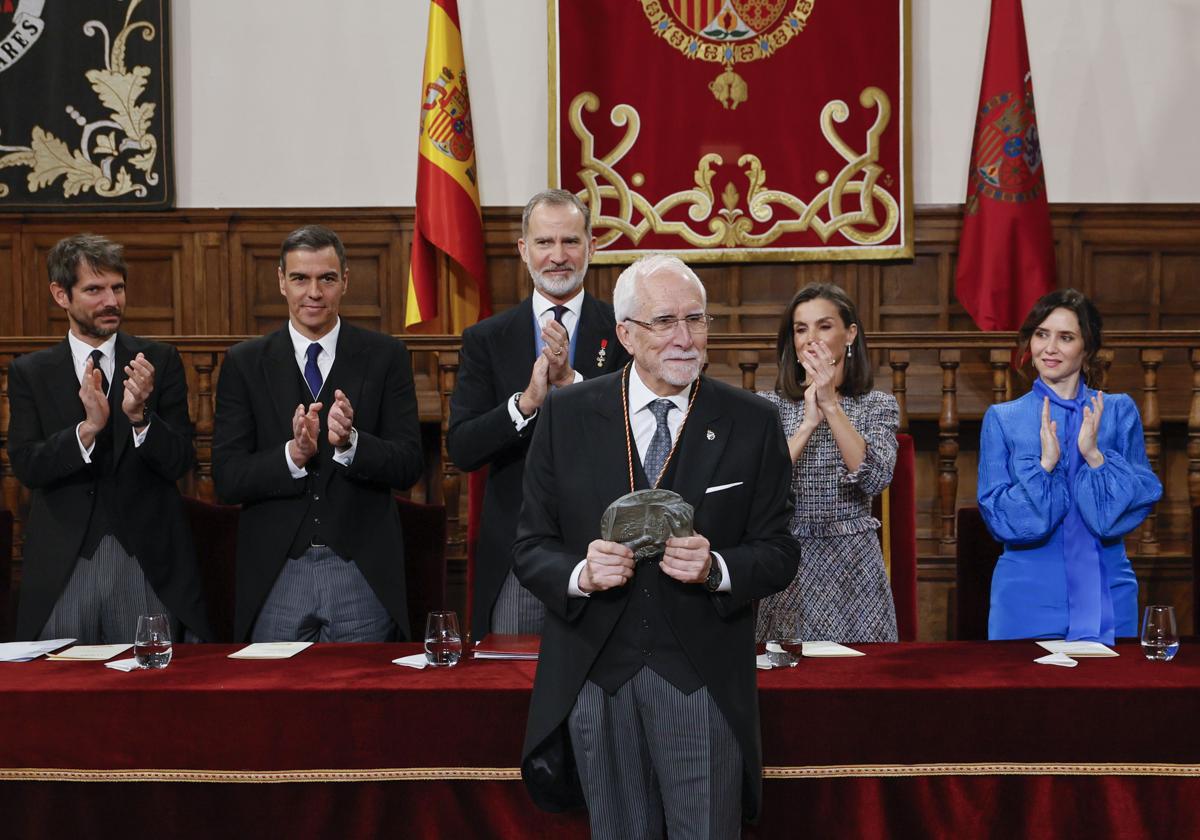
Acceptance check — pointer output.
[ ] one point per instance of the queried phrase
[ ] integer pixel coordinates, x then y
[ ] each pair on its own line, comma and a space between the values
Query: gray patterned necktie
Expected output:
660, 444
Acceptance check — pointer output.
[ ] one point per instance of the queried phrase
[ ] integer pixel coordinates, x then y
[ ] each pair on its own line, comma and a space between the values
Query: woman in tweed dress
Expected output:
842, 439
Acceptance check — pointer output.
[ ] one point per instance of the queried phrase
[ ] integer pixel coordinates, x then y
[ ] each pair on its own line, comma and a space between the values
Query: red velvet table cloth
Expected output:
912, 739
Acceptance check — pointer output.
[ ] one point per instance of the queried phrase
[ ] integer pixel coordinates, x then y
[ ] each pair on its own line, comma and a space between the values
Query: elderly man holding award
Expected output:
644, 705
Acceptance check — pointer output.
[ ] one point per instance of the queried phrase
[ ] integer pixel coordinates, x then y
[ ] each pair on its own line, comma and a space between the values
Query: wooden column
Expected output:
948, 447
204, 364
1152, 427
747, 360
1193, 432
898, 361
1000, 362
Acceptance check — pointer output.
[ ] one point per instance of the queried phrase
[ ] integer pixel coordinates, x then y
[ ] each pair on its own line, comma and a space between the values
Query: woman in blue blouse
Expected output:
1063, 477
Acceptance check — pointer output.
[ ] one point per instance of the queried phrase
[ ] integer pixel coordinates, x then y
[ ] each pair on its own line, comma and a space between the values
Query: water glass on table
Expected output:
152, 641
783, 638
1160, 638
443, 643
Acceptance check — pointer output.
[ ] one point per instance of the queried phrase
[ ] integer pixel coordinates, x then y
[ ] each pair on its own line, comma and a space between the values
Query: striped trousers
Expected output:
517, 610
102, 599
650, 756
319, 597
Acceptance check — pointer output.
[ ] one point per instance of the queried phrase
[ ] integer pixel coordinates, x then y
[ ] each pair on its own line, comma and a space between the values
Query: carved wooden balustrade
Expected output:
939, 380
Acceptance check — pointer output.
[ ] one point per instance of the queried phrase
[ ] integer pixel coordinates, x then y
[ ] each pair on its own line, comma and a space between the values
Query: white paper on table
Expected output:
828, 649
124, 664
269, 650
417, 660
1077, 648
1057, 659
89, 653
26, 651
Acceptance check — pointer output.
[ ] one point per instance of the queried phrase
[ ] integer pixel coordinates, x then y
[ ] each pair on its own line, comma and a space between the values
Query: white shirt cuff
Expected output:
297, 472
726, 584
139, 435
518, 421
346, 456
573, 589
85, 451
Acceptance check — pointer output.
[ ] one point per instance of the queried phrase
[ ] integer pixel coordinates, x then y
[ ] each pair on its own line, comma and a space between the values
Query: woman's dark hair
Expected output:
858, 377
1090, 327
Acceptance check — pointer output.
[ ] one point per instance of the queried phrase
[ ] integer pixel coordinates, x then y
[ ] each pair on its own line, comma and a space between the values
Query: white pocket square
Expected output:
721, 487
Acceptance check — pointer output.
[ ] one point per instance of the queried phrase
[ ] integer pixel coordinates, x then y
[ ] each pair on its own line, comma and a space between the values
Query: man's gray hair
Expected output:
556, 198
625, 293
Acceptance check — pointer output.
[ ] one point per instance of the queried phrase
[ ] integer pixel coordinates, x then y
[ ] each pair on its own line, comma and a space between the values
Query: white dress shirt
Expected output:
81, 351
325, 358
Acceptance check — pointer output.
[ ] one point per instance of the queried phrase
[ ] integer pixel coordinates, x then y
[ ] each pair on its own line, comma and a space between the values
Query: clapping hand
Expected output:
139, 384
95, 403
821, 366
341, 420
1049, 434
1089, 431
306, 425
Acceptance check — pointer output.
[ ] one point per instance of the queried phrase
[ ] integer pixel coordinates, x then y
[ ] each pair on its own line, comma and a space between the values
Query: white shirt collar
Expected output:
641, 396
328, 341
541, 303
81, 350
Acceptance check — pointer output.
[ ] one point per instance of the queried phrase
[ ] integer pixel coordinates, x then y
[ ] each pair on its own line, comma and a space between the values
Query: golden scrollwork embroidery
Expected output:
90, 166
828, 213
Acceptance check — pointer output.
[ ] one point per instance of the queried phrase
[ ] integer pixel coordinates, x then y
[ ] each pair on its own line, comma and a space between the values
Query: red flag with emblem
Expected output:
448, 218
1006, 252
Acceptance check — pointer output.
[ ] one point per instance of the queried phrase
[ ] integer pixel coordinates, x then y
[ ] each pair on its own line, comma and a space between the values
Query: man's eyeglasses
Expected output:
664, 324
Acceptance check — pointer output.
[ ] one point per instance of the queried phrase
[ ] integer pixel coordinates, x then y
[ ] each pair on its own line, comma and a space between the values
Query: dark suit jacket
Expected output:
44, 409
497, 357
577, 467
257, 394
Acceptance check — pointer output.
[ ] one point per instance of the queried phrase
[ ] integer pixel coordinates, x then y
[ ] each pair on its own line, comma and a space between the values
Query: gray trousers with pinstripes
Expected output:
102, 599
650, 755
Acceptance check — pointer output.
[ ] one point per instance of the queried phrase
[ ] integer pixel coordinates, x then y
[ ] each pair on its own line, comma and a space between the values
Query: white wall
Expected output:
309, 103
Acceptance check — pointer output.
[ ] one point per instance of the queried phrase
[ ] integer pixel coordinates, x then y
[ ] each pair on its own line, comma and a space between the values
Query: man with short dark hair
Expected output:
99, 431
645, 700
316, 425
557, 336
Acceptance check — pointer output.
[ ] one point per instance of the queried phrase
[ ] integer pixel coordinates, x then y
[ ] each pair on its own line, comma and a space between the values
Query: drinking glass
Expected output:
1160, 639
443, 644
152, 641
783, 638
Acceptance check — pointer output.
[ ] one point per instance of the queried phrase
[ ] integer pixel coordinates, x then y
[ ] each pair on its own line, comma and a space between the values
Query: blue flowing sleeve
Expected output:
1115, 497
1019, 501
880, 422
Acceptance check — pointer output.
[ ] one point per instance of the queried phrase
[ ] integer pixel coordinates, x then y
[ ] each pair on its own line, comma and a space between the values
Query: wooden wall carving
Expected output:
212, 273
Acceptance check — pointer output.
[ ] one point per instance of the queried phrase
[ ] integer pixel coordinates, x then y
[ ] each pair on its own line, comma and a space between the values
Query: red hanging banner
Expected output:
1006, 251
730, 130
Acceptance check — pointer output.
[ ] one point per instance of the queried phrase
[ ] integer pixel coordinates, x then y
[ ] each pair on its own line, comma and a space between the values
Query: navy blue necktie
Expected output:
312, 373
559, 311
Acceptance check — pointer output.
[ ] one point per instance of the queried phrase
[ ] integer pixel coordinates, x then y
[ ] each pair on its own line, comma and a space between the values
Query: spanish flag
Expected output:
448, 219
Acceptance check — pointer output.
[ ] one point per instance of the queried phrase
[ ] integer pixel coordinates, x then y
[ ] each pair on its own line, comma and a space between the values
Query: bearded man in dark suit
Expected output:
557, 336
316, 425
645, 702
100, 432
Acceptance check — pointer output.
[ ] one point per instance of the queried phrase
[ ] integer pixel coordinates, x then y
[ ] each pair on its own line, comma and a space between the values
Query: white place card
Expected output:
269, 650
88, 653
1077, 648
26, 651
828, 649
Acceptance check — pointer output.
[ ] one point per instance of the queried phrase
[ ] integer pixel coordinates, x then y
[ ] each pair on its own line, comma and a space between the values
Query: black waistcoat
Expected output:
642, 636
318, 526
104, 519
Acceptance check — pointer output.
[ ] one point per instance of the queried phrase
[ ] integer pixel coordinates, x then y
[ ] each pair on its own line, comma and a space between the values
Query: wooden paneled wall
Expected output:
212, 273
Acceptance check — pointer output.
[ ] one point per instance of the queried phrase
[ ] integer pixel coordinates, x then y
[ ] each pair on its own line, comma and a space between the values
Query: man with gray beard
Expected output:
557, 336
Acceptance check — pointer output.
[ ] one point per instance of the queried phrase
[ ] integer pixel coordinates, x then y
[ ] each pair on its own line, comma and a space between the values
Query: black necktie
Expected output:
96, 357
559, 311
